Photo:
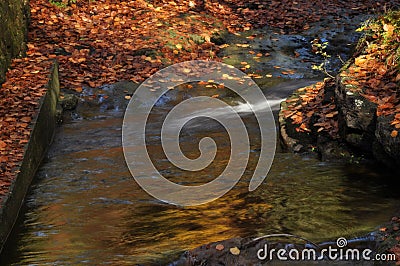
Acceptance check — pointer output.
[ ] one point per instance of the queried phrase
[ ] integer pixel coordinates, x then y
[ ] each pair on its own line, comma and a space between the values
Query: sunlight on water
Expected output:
86, 208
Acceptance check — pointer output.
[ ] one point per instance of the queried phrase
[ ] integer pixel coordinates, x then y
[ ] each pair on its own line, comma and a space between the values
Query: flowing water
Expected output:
85, 208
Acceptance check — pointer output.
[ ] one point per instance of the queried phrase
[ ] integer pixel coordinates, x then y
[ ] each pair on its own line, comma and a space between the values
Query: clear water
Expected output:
85, 208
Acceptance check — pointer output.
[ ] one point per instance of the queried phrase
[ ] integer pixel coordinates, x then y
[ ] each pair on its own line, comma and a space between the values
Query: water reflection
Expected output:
86, 208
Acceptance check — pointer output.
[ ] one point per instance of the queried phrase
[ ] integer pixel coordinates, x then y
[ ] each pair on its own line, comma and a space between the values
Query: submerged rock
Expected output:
264, 251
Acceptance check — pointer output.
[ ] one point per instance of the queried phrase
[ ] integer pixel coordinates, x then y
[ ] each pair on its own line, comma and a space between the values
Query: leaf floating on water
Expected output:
242, 45
127, 97
394, 133
234, 251
219, 247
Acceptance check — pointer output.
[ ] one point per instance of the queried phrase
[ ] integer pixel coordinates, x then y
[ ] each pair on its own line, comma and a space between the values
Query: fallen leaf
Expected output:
234, 251
26, 119
2, 144
330, 115
219, 247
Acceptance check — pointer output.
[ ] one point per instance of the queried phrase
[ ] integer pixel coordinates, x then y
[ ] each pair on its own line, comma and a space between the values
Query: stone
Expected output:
69, 102
390, 145
358, 112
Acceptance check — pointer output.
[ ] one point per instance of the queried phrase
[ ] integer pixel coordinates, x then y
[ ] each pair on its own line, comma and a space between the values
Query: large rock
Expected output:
386, 148
362, 134
361, 128
357, 116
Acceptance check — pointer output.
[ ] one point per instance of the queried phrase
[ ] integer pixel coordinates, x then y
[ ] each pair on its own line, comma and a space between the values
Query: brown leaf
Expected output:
26, 119
219, 247
2, 145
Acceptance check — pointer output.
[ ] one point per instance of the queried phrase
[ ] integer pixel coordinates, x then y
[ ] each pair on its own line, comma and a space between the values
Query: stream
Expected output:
85, 208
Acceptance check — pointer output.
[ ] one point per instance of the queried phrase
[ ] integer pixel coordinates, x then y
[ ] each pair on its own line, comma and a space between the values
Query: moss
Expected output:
14, 17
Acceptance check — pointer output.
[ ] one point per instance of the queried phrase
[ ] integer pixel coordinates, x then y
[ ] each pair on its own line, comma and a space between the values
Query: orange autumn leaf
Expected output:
219, 247
2, 145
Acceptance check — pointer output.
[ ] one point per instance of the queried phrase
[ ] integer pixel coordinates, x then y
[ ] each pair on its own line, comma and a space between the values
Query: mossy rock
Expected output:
14, 19
69, 102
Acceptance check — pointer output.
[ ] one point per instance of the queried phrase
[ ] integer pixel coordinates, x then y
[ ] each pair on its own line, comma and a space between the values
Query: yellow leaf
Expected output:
127, 97
234, 251
360, 61
179, 46
389, 28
